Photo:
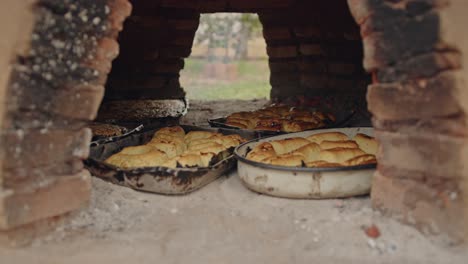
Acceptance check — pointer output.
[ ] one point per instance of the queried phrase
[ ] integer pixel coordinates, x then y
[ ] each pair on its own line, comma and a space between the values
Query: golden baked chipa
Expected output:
328, 149
172, 147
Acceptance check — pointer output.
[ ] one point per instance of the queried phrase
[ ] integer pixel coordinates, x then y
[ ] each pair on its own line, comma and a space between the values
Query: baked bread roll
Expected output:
338, 144
261, 152
148, 159
171, 147
269, 124
288, 145
298, 126
361, 160
366, 143
339, 155
330, 149
322, 164
289, 160
239, 122
175, 131
327, 136
309, 152
193, 159
194, 135
136, 150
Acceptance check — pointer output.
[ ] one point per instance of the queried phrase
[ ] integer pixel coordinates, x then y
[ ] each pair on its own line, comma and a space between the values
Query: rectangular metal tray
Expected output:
161, 180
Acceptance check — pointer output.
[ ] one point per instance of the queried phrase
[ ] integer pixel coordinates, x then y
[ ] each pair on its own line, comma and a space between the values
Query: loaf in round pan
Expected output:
328, 149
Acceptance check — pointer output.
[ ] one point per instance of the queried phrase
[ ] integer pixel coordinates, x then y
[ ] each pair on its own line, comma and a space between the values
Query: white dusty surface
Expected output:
226, 223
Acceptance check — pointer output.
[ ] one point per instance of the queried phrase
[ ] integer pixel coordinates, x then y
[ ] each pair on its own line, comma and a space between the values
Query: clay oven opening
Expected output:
62, 71
314, 49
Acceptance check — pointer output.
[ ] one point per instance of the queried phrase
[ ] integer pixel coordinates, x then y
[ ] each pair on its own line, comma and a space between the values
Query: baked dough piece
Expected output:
288, 145
338, 144
239, 122
171, 148
327, 136
175, 131
322, 164
240, 115
148, 159
136, 150
194, 135
339, 155
195, 159
309, 152
361, 160
297, 125
269, 124
366, 143
289, 160
261, 152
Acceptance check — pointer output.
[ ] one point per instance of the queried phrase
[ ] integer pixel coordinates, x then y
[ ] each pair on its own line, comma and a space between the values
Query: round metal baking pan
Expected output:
301, 182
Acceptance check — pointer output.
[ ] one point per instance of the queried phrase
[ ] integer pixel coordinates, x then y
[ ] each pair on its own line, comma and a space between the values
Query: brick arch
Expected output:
314, 48
57, 68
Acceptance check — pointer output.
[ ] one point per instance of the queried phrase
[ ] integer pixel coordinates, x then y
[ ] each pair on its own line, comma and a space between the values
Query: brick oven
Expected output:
61, 66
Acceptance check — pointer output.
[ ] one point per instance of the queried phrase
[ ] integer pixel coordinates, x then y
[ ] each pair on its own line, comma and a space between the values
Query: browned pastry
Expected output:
329, 136
306, 118
309, 152
278, 118
175, 131
268, 113
361, 160
240, 115
289, 160
297, 126
136, 150
338, 144
106, 130
322, 164
288, 145
171, 147
148, 159
194, 135
195, 159
330, 149
339, 155
236, 124
239, 122
366, 143
211, 147
269, 124
261, 152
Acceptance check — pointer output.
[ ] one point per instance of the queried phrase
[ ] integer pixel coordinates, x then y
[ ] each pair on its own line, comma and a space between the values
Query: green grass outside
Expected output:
252, 81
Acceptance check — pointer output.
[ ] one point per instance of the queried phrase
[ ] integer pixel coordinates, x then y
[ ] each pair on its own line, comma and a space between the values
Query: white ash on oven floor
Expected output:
226, 223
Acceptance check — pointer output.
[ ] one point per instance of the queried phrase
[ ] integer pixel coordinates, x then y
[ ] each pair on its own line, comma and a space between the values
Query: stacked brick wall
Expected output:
55, 85
418, 100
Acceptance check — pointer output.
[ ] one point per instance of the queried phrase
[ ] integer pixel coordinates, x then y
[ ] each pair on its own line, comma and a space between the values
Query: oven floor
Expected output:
226, 223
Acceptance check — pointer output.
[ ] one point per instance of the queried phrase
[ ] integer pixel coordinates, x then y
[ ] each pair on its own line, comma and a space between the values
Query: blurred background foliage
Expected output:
228, 59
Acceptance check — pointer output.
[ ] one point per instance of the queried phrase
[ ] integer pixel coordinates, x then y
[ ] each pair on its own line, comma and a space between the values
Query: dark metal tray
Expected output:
161, 180
342, 120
